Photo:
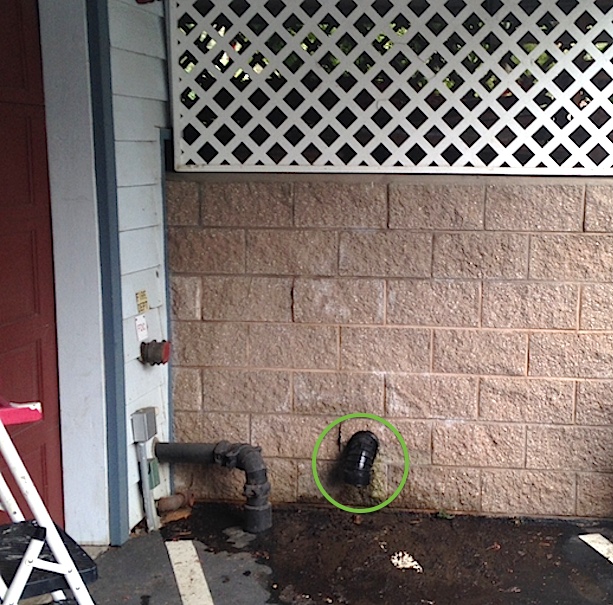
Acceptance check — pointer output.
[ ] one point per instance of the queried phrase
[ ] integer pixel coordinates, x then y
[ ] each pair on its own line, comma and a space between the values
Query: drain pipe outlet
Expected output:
243, 456
358, 458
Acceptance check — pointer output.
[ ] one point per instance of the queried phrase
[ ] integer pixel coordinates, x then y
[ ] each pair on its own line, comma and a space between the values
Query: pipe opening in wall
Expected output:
358, 458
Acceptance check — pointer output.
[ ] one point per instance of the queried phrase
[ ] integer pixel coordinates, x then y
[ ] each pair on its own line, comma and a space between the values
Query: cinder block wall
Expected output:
476, 314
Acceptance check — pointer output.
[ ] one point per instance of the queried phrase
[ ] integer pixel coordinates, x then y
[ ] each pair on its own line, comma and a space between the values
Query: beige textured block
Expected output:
572, 448
596, 305
211, 427
186, 389
333, 204
211, 482
246, 391
182, 203
186, 294
385, 253
595, 402
438, 488
527, 207
524, 306
594, 495
206, 250
436, 206
421, 396
433, 303
385, 349
283, 252
481, 255
480, 352
457, 443
337, 393
417, 435
247, 298
327, 473
207, 344
571, 355
283, 478
527, 400
599, 208
571, 257
293, 436
263, 204
293, 346
513, 492
343, 301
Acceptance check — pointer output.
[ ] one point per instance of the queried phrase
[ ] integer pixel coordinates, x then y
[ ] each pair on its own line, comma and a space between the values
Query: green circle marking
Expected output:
407, 463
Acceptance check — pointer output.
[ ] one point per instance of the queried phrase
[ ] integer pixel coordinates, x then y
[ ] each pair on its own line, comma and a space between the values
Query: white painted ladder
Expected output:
36, 557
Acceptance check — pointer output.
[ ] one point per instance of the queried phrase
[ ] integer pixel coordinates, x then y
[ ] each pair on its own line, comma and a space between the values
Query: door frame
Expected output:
89, 335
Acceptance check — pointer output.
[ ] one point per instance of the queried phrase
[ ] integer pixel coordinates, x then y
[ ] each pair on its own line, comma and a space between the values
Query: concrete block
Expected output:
596, 305
293, 346
525, 207
571, 448
246, 391
186, 389
385, 254
436, 206
433, 303
480, 352
193, 250
418, 396
238, 298
571, 355
527, 400
595, 402
458, 443
293, 436
385, 349
339, 301
209, 344
182, 203
599, 208
438, 488
571, 257
480, 255
283, 477
524, 492
253, 204
211, 427
417, 435
186, 295
530, 305
330, 393
335, 204
284, 252
594, 495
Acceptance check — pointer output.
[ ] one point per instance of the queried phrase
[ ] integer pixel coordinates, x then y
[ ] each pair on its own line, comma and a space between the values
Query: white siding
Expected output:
140, 109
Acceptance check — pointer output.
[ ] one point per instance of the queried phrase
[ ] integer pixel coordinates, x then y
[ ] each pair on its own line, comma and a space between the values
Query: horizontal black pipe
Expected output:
243, 456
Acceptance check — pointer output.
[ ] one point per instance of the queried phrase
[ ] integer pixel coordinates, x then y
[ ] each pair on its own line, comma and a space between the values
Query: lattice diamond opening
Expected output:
422, 86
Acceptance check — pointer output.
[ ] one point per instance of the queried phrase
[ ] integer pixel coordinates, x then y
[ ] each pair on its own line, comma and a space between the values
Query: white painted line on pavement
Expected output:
189, 574
600, 544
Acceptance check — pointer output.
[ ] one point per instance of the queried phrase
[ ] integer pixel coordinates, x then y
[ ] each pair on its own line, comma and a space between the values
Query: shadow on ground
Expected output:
320, 555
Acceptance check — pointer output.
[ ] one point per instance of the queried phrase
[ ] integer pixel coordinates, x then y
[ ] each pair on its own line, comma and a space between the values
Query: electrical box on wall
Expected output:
144, 425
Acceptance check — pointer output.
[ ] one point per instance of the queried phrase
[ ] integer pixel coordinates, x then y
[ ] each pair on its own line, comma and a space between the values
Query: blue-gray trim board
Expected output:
106, 189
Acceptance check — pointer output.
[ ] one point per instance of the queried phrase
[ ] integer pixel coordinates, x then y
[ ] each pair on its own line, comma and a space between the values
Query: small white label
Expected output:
142, 332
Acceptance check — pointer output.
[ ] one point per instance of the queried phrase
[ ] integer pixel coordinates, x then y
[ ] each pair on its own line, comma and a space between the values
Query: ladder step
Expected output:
14, 540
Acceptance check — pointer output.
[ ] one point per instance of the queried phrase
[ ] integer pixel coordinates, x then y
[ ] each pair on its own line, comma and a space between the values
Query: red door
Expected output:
28, 356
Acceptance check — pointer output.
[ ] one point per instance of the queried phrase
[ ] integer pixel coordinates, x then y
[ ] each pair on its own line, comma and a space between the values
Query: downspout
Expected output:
243, 456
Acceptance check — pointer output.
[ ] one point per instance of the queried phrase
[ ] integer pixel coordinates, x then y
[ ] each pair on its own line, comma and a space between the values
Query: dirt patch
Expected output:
322, 555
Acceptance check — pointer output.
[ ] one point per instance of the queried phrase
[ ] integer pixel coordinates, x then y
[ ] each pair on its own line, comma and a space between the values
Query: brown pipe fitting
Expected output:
175, 502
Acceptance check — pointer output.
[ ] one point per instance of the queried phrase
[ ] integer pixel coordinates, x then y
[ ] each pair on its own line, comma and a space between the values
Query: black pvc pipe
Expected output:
358, 458
243, 456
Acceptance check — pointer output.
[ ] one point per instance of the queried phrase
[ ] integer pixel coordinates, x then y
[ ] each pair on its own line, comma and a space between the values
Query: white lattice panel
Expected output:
421, 85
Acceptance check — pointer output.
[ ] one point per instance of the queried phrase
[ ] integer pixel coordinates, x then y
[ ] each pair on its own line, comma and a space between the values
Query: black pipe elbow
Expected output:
358, 458
243, 456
